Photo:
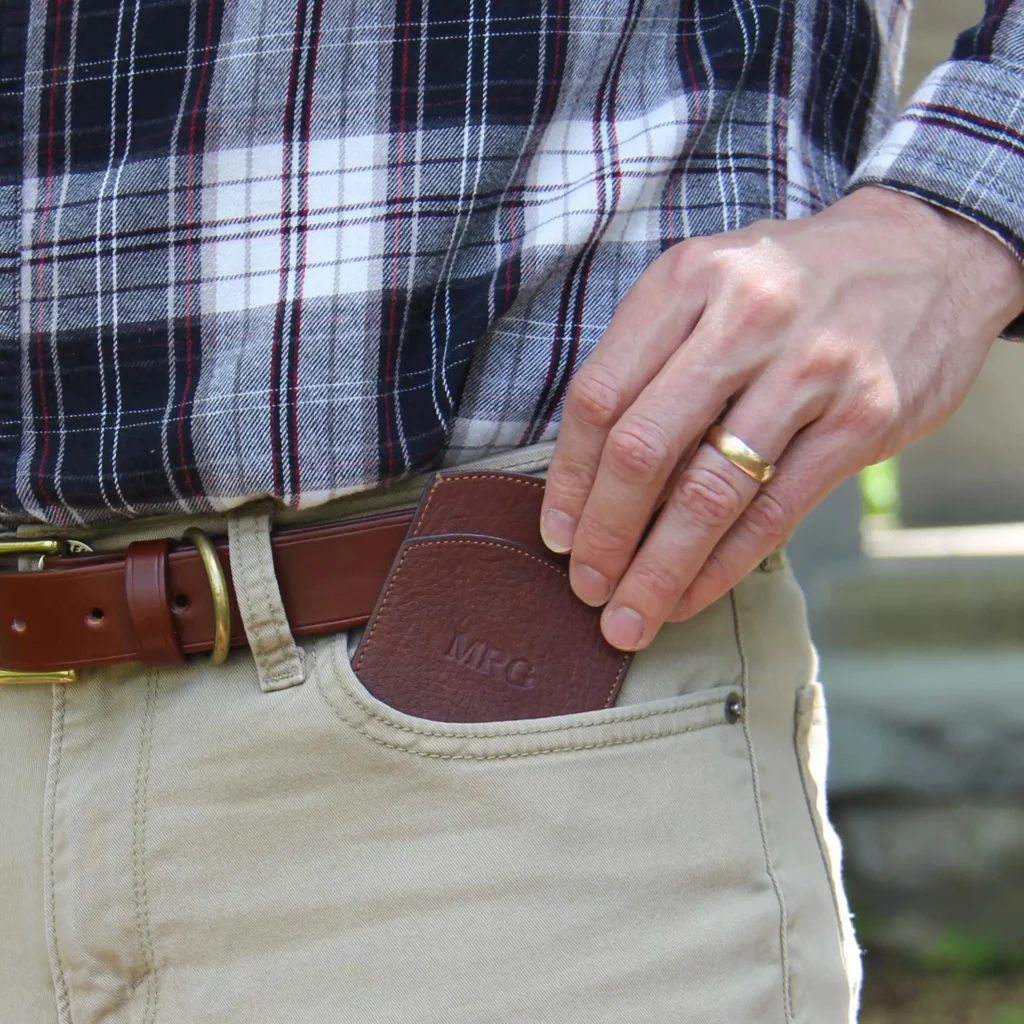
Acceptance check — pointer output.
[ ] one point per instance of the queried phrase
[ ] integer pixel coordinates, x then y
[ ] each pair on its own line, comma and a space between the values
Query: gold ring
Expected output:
218, 591
740, 454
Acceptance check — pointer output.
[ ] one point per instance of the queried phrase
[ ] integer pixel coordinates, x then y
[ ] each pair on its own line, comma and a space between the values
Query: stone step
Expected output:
929, 725
920, 603
927, 791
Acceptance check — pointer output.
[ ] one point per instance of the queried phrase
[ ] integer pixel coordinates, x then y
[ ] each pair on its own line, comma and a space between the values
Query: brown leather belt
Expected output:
153, 603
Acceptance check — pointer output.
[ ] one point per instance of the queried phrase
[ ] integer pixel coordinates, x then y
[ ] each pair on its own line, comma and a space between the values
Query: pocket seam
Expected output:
755, 776
514, 755
633, 716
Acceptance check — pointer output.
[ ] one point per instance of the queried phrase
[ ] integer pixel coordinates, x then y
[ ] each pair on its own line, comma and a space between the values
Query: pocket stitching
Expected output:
634, 716
513, 755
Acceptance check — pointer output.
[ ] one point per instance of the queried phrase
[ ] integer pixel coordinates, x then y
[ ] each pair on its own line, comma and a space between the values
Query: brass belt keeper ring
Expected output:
218, 591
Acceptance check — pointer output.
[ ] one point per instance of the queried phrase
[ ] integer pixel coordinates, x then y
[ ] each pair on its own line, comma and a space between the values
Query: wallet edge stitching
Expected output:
454, 478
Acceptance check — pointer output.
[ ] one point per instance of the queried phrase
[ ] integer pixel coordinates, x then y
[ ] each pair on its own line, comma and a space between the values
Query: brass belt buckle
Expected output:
43, 547
58, 675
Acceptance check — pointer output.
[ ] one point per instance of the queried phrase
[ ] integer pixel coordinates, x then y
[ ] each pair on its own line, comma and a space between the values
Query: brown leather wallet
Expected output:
477, 621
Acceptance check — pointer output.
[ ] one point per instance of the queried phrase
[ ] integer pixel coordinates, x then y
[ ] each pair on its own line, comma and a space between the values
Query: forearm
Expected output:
959, 145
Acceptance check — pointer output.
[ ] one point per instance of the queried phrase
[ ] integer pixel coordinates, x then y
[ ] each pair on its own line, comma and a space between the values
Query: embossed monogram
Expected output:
490, 661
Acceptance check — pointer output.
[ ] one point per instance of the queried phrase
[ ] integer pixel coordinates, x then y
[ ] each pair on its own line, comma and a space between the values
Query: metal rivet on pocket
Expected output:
733, 708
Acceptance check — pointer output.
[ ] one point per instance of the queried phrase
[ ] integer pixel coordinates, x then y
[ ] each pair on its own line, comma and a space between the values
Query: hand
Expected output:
831, 343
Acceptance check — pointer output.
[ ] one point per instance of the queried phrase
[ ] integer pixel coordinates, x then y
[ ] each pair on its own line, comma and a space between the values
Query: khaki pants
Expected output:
266, 842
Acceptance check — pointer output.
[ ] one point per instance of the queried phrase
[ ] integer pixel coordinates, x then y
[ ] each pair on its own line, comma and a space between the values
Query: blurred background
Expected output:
915, 582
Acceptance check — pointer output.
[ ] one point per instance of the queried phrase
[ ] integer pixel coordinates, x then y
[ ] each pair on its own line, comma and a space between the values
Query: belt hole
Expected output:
95, 617
181, 602
19, 625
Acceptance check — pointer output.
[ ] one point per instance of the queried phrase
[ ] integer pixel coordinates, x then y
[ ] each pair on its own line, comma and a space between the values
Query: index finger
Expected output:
657, 314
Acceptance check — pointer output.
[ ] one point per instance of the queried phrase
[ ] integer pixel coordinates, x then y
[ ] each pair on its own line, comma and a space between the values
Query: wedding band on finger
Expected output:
740, 454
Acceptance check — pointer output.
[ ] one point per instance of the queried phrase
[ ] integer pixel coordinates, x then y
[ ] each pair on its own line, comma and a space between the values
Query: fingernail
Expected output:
623, 628
590, 586
557, 530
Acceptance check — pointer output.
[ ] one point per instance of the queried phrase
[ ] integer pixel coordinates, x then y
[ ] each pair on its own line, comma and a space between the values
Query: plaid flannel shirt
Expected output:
253, 248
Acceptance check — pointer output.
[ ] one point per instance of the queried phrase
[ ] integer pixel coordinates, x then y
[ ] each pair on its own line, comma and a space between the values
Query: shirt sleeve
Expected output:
960, 142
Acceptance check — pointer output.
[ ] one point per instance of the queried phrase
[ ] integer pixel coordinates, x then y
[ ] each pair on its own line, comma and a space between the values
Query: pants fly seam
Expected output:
141, 812
60, 985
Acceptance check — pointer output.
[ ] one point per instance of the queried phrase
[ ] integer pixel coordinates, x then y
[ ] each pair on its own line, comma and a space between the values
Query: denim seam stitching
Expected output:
813, 813
695, 727
60, 985
787, 994
283, 665
277, 655
636, 716
272, 654
140, 813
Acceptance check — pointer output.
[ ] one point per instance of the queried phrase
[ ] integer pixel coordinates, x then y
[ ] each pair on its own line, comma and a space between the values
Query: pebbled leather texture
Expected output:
505, 505
482, 626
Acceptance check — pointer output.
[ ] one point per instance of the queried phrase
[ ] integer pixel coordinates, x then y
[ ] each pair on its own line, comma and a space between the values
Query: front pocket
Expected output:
619, 876
355, 706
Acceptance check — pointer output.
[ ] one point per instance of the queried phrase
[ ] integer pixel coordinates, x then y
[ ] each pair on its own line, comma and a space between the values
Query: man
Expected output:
262, 259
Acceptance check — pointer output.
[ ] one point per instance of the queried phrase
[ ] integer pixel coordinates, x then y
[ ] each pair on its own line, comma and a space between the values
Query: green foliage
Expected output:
1009, 1015
880, 488
964, 953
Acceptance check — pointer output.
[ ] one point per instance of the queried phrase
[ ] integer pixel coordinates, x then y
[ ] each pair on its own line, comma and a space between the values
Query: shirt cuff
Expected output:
959, 145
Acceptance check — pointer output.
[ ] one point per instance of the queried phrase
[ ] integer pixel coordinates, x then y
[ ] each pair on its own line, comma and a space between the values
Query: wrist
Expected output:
981, 266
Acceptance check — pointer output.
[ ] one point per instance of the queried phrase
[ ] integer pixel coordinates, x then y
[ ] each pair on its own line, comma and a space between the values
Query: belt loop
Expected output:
278, 658
149, 604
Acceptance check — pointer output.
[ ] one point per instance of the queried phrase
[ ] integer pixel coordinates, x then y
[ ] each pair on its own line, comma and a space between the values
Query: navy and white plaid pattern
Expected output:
297, 249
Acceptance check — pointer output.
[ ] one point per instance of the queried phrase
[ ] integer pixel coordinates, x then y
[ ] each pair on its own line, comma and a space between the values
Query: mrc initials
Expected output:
490, 661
